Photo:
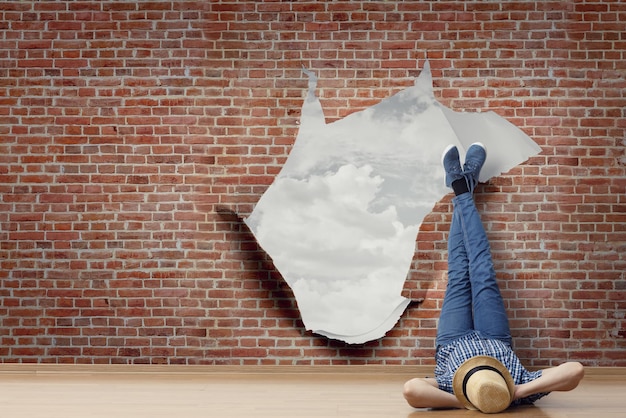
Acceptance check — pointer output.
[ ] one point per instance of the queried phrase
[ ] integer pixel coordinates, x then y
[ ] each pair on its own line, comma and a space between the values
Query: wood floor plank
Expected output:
68, 392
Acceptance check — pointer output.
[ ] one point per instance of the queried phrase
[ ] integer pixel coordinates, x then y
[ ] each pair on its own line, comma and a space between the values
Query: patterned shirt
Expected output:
450, 356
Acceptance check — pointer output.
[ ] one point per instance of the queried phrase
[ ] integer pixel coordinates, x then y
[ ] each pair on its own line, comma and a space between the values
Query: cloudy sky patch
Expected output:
341, 218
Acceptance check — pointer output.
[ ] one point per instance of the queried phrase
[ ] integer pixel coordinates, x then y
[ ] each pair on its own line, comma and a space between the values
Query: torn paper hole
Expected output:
341, 219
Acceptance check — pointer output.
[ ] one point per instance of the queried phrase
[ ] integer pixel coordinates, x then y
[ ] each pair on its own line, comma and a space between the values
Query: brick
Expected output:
119, 142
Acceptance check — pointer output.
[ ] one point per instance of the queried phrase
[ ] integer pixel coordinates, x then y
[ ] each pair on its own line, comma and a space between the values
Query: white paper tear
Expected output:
341, 218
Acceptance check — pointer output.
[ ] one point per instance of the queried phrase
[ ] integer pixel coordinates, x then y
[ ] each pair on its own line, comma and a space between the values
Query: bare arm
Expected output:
425, 393
561, 378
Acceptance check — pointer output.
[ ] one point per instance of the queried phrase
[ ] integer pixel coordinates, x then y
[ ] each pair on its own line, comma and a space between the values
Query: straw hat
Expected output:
483, 383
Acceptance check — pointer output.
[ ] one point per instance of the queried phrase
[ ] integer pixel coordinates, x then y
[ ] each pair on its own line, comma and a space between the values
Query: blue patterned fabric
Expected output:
450, 356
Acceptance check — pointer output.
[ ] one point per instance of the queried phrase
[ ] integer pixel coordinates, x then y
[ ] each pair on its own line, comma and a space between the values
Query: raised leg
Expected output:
456, 318
489, 314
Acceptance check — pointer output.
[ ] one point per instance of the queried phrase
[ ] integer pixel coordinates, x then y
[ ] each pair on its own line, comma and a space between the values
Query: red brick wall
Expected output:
135, 135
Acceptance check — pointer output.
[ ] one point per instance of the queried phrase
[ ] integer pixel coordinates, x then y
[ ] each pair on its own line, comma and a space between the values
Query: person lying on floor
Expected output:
476, 367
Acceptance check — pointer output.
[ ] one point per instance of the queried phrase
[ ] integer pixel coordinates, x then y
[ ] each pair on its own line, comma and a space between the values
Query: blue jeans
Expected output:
472, 301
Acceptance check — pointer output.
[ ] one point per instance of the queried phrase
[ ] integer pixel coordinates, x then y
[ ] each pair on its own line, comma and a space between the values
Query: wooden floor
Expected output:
296, 392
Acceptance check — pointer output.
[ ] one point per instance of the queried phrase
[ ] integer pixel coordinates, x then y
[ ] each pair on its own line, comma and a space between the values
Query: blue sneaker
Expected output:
474, 160
451, 164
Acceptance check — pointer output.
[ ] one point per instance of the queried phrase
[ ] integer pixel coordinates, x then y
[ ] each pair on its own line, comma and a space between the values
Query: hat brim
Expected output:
472, 363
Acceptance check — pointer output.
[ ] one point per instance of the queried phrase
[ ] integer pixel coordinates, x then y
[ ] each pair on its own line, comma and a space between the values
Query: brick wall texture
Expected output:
136, 135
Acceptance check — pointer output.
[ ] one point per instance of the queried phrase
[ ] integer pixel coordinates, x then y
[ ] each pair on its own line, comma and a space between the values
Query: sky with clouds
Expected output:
341, 219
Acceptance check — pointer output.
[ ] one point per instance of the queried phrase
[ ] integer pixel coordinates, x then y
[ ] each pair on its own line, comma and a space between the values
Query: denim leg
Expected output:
455, 319
489, 314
